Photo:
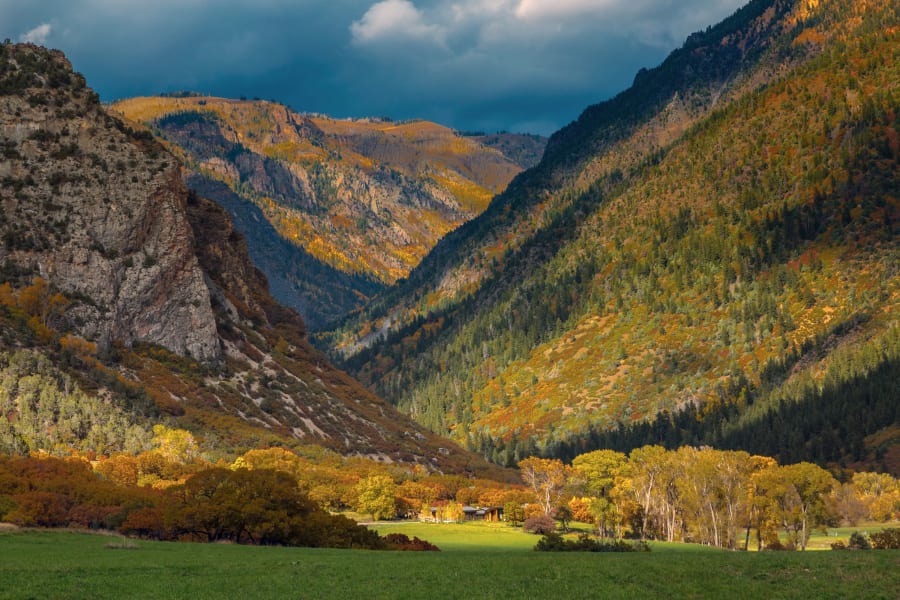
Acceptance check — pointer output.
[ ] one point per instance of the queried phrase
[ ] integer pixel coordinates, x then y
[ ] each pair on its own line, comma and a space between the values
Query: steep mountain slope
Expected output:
141, 295
367, 198
722, 234
608, 140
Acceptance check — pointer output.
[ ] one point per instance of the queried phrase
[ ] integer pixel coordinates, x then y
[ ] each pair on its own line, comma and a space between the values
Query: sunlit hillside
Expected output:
719, 240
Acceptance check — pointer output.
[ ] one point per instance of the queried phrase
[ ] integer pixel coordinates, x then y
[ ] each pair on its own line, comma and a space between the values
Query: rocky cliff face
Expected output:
317, 291
97, 210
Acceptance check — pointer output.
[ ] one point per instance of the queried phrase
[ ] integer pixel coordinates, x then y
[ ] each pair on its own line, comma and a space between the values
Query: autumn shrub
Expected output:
887, 539
40, 509
541, 525
581, 510
532, 510
90, 516
146, 522
778, 546
260, 506
401, 541
7, 505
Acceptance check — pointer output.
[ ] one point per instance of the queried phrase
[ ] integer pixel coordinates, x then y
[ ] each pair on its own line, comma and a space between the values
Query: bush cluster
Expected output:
260, 506
887, 539
554, 542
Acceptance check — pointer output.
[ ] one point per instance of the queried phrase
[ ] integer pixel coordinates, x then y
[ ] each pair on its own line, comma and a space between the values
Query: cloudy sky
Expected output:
517, 65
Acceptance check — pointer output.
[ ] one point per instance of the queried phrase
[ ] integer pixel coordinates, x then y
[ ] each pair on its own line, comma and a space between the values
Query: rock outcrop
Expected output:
98, 210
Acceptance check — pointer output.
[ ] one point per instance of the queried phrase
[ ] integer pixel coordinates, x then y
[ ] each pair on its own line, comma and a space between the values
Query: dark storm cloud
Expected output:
526, 65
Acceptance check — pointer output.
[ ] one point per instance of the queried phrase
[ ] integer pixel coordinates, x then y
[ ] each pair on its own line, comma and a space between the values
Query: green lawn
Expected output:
476, 537
61, 564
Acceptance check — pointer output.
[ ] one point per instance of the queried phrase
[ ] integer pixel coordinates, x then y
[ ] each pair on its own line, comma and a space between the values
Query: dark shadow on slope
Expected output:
318, 292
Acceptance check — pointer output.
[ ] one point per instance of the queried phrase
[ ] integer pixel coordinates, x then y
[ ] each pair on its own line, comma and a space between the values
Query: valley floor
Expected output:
494, 564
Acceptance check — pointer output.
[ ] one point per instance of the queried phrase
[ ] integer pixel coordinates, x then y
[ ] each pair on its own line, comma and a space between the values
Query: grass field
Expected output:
477, 562
823, 540
465, 537
497, 537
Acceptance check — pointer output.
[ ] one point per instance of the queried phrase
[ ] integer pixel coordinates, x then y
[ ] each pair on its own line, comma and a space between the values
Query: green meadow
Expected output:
477, 561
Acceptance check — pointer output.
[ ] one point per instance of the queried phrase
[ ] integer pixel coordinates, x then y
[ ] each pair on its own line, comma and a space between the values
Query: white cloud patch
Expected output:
38, 35
549, 56
487, 25
555, 9
393, 20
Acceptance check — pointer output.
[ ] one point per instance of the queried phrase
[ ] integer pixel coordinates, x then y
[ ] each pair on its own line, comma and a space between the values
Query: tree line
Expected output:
262, 507
173, 491
714, 497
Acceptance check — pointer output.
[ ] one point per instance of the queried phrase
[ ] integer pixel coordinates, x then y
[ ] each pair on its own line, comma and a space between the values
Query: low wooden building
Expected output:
449, 512
483, 513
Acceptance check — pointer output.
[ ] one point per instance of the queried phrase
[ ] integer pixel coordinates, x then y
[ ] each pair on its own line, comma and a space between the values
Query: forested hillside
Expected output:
358, 202
713, 252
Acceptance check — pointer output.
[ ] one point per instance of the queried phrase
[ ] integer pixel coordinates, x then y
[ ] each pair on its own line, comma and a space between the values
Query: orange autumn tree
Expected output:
7, 296
39, 301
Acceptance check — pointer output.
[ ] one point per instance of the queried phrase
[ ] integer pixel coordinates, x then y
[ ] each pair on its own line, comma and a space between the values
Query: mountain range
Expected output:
355, 203
708, 258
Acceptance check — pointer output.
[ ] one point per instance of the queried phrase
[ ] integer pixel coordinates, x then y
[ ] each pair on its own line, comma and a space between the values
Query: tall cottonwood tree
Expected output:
547, 478
597, 473
648, 464
713, 493
795, 498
